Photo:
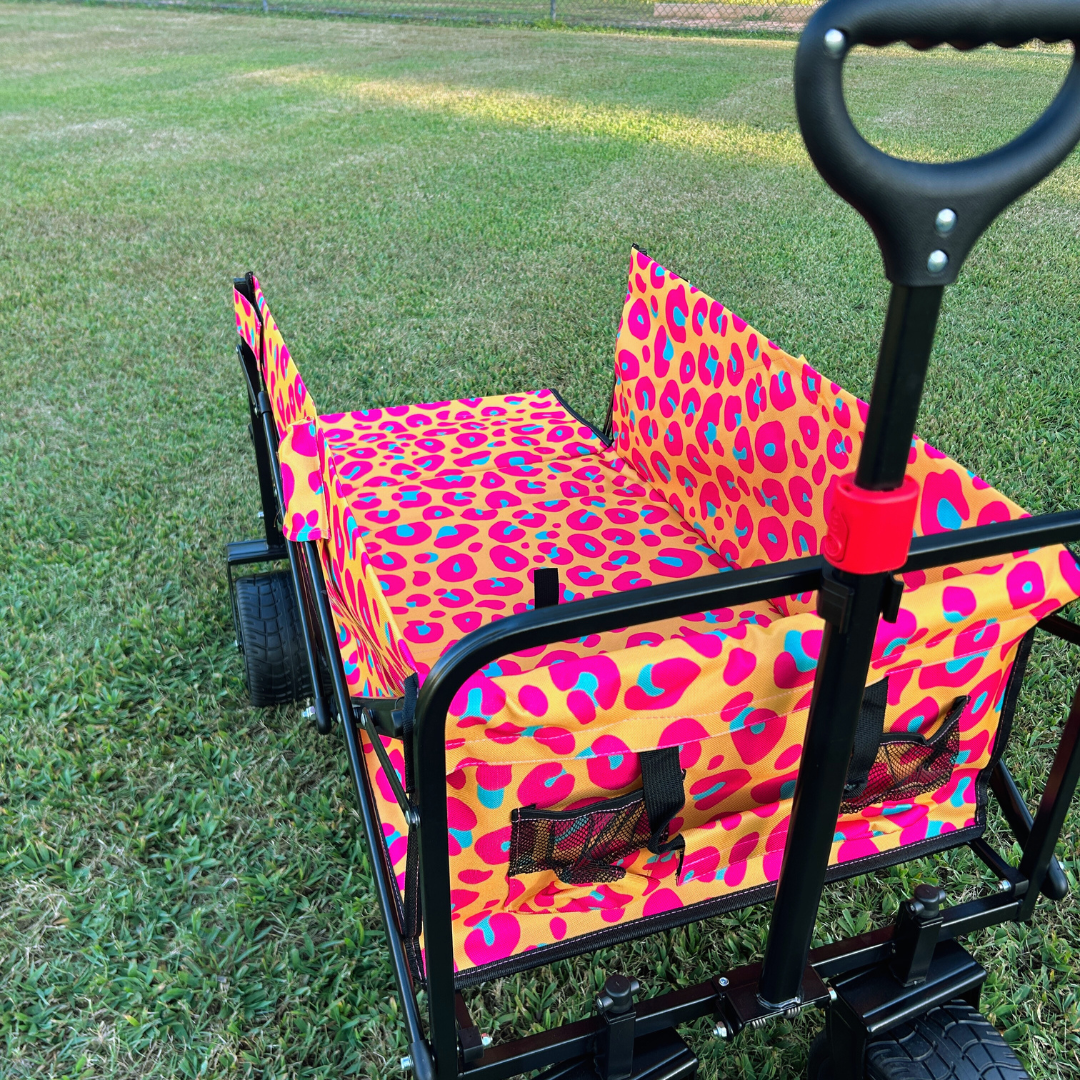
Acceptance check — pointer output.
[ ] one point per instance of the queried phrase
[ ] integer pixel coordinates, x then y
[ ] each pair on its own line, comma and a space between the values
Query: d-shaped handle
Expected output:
927, 217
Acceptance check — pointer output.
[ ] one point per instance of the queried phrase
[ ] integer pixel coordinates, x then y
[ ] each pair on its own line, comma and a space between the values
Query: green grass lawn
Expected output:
433, 212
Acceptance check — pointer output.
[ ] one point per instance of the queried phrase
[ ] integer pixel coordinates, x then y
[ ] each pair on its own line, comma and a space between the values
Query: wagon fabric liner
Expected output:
612, 785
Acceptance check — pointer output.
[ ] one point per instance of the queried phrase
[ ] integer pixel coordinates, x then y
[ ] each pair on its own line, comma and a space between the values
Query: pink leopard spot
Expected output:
545, 785
662, 900
612, 765
494, 847
496, 937
1025, 584
533, 700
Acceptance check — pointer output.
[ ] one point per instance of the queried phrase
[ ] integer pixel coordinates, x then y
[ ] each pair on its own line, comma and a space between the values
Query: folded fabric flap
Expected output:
306, 514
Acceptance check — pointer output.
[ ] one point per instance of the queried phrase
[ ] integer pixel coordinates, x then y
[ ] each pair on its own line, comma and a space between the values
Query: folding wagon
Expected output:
752, 637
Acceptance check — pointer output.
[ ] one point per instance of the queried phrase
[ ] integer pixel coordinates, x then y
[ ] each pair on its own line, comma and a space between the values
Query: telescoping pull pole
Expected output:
852, 603
926, 218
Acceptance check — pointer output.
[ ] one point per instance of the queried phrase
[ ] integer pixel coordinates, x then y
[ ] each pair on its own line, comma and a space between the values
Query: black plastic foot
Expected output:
660, 1056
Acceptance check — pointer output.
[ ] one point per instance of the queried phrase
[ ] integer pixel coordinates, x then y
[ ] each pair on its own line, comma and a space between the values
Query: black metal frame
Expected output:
866, 996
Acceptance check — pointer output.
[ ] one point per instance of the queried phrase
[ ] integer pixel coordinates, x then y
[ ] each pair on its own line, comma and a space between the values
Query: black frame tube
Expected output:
308, 553
1053, 806
846, 649
266, 417
417, 1046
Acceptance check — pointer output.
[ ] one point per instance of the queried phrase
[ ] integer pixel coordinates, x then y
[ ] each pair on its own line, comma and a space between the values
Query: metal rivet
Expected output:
945, 221
835, 42
937, 261
724, 980
485, 1040
406, 1063
1004, 886
721, 1030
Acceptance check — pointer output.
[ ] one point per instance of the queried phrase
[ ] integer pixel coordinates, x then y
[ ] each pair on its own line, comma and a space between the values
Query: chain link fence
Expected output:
726, 16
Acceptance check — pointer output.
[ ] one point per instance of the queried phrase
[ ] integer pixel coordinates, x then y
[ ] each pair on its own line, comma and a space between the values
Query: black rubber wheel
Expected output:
269, 636
951, 1042
817, 1065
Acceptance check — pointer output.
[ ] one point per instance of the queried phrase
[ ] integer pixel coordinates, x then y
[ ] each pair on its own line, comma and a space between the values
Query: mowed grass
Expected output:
434, 212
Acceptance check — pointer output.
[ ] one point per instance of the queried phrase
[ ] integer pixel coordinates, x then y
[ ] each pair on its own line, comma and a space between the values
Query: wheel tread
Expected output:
951, 1042
270, 636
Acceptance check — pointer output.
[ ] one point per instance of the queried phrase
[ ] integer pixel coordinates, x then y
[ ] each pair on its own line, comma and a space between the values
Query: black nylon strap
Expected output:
662, 785
868, 734
545, 586
412, 688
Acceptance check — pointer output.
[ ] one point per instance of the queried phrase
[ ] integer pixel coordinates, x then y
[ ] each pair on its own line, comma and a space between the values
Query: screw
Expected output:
721, 1031
485, 1040
308, 713
1004, 886
937, 261
835, 42
724, 981
406, 1063
945, 221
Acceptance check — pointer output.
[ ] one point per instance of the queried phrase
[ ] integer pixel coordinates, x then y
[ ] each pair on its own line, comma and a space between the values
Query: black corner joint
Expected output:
324, 715
915, 936
615, 1041
470, 1041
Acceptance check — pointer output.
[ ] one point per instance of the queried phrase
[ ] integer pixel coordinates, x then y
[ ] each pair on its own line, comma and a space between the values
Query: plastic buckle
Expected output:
869, 532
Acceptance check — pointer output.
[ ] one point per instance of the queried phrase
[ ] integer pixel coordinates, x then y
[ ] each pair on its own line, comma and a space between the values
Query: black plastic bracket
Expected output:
834, 601
470, 1040
615, 1041
915, 937
891, 596
873, 1001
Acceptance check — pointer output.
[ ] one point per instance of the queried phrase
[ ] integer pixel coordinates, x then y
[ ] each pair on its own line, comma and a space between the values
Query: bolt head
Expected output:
835, 42
937, 262
945, 221
406, 1063
485, 1040
724, 980
721, 1030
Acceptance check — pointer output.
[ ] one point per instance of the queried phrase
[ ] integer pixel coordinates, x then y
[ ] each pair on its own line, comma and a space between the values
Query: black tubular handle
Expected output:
920, 212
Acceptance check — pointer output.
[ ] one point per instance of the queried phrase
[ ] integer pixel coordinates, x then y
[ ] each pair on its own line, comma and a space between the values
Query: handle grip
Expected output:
927, 217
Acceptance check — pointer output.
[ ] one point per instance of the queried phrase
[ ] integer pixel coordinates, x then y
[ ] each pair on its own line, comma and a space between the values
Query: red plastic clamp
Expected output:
869, 532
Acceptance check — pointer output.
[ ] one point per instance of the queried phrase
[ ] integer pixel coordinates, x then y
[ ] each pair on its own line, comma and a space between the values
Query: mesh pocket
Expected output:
910, 765
580, 846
